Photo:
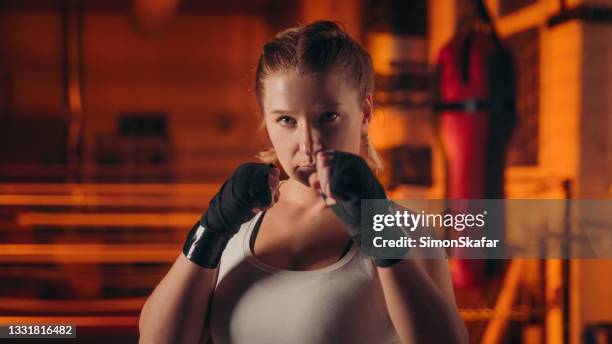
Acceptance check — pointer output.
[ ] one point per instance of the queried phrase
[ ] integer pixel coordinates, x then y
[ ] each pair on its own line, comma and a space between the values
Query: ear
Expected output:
367, 108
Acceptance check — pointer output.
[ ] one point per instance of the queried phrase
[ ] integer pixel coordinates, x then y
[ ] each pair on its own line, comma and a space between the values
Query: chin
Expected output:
302, 177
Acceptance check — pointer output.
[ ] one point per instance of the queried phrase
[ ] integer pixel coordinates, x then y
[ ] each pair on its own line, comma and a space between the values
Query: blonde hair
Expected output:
316, 48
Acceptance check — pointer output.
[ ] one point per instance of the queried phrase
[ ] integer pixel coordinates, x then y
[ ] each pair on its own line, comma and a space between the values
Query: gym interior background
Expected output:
119, 120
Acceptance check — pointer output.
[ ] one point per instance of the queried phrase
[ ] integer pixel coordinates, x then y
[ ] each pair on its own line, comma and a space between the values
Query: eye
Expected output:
285, 121
328, 117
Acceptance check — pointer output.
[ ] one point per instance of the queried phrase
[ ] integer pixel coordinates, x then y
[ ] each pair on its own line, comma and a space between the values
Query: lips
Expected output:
306, 167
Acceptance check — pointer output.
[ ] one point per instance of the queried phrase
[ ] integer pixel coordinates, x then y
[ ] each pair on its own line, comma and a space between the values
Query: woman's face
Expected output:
306, 114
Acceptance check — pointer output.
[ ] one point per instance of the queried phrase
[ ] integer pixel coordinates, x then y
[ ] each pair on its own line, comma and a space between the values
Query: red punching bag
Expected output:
475, 108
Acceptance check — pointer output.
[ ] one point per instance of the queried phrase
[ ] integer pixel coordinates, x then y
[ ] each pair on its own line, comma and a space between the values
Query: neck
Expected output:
301, 195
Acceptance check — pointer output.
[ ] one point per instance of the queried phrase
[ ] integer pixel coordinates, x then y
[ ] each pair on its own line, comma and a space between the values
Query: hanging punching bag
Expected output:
476, 115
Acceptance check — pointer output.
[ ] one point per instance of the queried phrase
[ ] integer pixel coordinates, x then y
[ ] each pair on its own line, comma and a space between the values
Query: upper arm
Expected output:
439, 272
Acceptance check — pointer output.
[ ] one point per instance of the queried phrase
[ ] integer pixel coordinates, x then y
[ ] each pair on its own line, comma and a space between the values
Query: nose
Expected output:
310, 141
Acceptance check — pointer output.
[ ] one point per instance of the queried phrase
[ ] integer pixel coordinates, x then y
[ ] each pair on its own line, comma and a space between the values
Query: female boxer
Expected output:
279, 262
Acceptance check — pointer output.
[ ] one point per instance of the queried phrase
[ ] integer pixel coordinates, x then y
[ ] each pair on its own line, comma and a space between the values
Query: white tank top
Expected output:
256, 303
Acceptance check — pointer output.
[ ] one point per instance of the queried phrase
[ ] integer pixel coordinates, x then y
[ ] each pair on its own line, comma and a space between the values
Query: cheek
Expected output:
346, 138
276, 136
355, 132
285, 149
282, 142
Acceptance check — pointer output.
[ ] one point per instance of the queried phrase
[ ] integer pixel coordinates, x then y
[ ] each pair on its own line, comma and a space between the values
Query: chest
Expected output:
341, 304
291, 240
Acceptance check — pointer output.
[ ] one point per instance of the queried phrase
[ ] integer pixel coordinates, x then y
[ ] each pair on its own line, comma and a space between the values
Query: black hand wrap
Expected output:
350, 181
227, 211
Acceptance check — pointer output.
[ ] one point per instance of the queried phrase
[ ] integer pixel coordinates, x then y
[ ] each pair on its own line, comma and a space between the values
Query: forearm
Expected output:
419, 309
422, 311
175, 311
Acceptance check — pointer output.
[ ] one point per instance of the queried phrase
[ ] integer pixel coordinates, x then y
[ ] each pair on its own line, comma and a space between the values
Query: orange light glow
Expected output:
109, 188
88, 321
88, 253
105, 219
101, 305
97, 201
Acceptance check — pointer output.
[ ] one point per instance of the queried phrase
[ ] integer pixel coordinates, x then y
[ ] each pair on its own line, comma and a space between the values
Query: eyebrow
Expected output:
281, 112
285, 112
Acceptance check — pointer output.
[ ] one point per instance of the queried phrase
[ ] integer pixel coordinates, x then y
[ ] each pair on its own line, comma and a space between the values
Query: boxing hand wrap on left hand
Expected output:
350, 181
232, 206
